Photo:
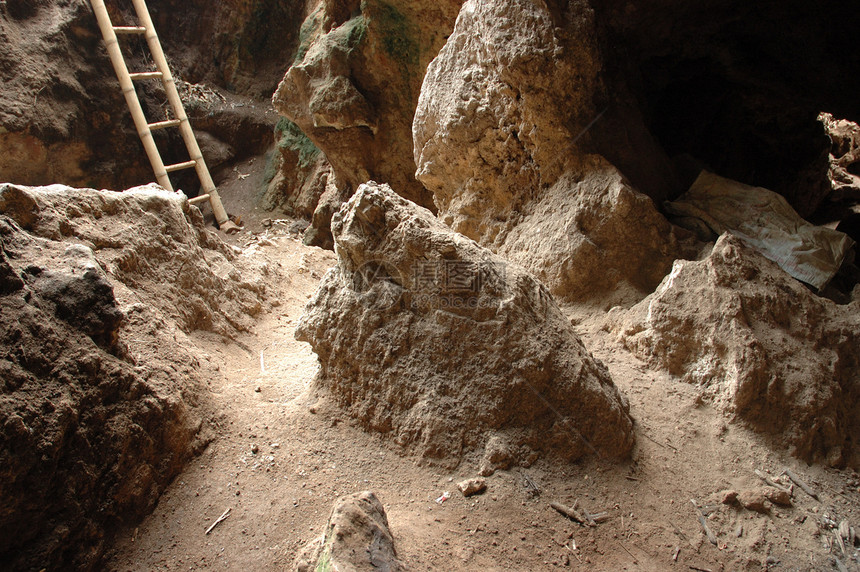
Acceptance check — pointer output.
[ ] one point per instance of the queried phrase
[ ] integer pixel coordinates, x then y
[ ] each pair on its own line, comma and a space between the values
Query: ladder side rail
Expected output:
208, 186
128, 90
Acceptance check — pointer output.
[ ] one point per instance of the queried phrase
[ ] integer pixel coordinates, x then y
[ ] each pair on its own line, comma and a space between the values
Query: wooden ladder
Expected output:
145, 129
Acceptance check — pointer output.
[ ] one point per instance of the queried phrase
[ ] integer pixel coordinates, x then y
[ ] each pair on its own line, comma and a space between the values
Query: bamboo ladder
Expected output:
145, 129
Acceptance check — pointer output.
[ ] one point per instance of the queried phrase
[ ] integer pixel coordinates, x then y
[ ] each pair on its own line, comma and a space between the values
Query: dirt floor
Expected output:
284, 453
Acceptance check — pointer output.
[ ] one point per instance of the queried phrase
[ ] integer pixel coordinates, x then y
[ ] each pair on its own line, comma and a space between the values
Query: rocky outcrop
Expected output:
502, 139
758, 344
356, 538
354, 84
101, 396
593, 239
464, 345
151, 241
844, 158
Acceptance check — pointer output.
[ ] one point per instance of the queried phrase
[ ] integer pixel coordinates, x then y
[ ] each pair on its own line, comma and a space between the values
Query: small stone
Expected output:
471, 487
258, 389
754, 500
486, 470
255, 448
728, 496
739, 531
776, 496
313, 410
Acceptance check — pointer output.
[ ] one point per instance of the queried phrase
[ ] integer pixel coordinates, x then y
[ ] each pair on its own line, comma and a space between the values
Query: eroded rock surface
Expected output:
101, 396
459, 345
758, 344
501, 137
354, 84
356, 538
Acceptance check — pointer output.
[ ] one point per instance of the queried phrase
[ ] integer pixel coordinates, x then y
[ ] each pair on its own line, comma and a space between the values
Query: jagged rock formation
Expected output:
354, 83
758, 344
465, 346
356, 538
501, 138
101, 396
844, 158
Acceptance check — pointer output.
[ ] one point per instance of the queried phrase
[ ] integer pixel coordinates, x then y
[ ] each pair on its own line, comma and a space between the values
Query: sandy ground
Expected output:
283, 454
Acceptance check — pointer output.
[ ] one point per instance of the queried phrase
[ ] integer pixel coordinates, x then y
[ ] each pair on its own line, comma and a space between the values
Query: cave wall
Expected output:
736, 85
354, 85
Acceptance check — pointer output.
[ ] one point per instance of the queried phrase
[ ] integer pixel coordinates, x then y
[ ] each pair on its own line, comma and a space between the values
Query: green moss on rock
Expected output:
290, 136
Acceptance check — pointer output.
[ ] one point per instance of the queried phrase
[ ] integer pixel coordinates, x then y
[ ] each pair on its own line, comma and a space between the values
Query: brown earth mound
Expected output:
100, 401
457, 345
759, 344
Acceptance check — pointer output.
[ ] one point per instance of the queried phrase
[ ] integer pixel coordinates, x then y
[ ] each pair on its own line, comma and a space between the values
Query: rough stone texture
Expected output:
471, 487
300, 174
594, 237
356, 539
148, 240
844, 157
354, 84
776, 496
466, 346
758, 344
101, 404
755, 499
501, 138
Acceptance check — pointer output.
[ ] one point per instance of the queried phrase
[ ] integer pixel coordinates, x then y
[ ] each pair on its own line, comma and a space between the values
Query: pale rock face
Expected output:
758, 344
355, 538
460, 345
501, 138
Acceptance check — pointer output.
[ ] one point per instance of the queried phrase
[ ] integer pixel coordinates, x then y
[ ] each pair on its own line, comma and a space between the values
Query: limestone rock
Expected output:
592, 236
501, 138
755, 500
758, 344
776, 496
356, 538
844, 157
471, 487
354, 84
463, 344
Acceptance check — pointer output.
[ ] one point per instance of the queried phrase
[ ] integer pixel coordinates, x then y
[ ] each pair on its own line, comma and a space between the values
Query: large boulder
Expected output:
758, 344
502, 138
356, 538
423, 334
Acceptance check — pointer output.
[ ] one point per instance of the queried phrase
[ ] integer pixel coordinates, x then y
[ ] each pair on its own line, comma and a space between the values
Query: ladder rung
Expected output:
145, 75
180, 166
198, 199
163, 124
129, 30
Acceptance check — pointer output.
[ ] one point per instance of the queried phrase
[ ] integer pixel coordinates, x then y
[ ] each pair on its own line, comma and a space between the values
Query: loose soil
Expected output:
284, 453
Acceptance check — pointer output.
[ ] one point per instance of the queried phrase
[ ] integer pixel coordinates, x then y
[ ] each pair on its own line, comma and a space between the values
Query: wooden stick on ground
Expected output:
799, 482
771, 482
220, 519
711, 538
569, 511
